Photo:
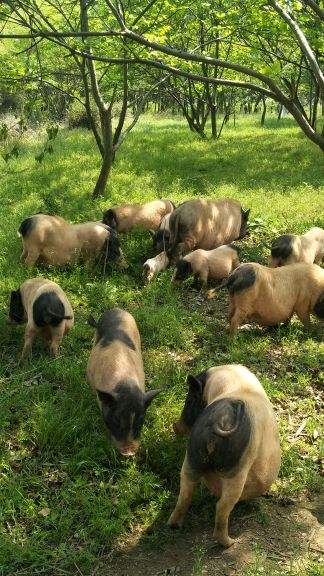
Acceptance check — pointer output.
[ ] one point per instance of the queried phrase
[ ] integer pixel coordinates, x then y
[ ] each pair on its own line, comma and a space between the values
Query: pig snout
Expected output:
129, 450
147, 272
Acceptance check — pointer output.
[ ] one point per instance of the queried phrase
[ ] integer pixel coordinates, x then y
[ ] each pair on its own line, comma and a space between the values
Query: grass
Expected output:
65, 495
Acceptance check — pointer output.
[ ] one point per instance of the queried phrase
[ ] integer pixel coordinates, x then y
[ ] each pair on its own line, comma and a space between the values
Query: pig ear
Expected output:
107, 398
195, 384
92, 322
149, 396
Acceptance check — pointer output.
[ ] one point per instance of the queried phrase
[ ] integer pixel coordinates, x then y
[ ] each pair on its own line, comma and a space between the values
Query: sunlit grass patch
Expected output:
65, 494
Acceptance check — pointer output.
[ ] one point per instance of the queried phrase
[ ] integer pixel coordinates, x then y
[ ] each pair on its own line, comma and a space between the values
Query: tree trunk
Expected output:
313, 114
109, 152
280, 111
264, 111
213, 121
106, 165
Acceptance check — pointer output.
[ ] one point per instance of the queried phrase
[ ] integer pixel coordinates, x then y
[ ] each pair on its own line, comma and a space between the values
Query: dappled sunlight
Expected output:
69, 498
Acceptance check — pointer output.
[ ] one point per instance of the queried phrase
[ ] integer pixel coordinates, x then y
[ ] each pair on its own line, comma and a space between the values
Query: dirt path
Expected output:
275, 535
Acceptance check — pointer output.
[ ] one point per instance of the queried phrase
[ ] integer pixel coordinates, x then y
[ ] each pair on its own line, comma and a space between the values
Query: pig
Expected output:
214, 264
146, 216
115, 372
48, 313
233, 444
161, 237
292, 248
54, 241
273, 295
153, 266
205, 224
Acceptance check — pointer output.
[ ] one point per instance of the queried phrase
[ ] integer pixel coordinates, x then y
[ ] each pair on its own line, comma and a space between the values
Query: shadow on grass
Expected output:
266, 530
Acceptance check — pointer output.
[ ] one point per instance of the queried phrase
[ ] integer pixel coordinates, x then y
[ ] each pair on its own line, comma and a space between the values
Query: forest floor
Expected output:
69, 505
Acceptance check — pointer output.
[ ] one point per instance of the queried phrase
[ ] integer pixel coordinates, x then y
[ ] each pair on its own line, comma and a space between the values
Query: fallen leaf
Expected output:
301, 428
44, 512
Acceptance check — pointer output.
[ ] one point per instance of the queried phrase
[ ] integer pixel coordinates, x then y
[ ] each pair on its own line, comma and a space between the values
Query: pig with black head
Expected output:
44, 306
115, 372
273, 295
146, 216
54, 241
233, 444
161, 237
293, 248
207, 265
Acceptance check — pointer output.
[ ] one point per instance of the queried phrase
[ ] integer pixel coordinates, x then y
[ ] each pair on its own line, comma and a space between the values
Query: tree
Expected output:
261, 47
102, 91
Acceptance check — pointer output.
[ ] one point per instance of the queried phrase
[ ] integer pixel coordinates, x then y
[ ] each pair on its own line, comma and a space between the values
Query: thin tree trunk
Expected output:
313, 120
109, 153
101, 183
264, 111
213, 121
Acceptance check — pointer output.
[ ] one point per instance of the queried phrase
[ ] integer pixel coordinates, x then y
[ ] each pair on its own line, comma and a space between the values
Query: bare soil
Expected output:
285, 534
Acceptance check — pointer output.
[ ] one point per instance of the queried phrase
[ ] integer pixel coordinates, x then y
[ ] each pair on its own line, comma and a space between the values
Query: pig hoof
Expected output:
173, 523
227, 542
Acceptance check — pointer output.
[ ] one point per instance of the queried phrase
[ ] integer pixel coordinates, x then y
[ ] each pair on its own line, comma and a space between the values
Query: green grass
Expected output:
65, 495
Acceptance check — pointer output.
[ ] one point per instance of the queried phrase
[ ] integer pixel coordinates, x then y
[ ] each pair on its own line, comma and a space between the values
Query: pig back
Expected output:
210, 223
116, 354
262, 454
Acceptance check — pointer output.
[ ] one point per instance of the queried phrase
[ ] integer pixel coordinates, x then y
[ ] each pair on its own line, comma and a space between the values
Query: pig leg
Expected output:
32, 257
56, 339
187, 245
304, 316
204, 278
237, 316
187, 485
24, 253
29, 337
54, 346
231, 491
287, 322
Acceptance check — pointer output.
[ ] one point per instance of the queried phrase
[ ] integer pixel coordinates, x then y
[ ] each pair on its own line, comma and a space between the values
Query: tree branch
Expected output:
302, 41
315, 7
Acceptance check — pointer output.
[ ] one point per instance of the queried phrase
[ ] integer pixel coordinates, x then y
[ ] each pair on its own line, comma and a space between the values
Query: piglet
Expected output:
233, 442
153, 266
214, 264
115, 372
